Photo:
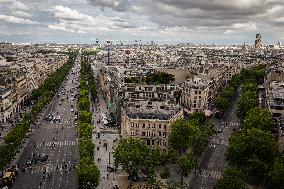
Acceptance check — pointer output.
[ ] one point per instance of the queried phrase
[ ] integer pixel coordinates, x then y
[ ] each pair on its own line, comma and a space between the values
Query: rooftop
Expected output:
149, 109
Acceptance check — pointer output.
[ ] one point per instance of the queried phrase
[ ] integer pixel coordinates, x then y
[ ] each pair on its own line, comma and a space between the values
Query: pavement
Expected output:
212, 163
57, 140
105, 142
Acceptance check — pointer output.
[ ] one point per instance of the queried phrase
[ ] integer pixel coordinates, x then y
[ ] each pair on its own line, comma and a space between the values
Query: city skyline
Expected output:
162, 21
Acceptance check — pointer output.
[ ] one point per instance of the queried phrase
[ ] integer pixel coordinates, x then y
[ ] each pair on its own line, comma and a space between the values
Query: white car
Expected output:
72, 110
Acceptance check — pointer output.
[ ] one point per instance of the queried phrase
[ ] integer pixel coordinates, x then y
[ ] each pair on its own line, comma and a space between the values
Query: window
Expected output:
195, 92
165, 127
143, 126
164, 134
143, 133
132, 133
160, 133
199, 92
160, 126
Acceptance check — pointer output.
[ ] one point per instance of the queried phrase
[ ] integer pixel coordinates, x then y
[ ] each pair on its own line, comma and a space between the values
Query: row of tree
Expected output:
87, 172
252, 152
42, 96
89, 77
187, 138
222, 102
248, 77
249, 99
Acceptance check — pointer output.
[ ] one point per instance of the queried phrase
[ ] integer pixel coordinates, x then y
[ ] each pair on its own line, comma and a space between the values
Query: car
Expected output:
58, 118
43, 157
31, 156
219, 114
29, 162
60, 103
72, 110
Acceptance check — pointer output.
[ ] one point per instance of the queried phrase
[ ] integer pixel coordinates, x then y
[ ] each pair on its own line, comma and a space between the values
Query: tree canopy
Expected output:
232, 178
159, 78
253, 150
131, 154
182, 135
258, 118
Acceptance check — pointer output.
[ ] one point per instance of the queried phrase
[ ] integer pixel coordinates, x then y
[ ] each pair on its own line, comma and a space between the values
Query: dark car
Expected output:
29, 162
219, 114
43, 157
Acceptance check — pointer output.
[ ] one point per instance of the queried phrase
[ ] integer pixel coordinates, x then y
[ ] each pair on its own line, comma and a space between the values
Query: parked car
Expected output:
43, 157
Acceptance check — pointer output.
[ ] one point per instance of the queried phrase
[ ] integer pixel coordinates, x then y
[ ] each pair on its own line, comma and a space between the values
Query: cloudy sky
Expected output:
164, 21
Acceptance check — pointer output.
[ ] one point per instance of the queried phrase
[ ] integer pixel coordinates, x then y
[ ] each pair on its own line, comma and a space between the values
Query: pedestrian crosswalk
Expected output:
230, 124
211, 173
219, 142
57, 123
49, 168
55, 144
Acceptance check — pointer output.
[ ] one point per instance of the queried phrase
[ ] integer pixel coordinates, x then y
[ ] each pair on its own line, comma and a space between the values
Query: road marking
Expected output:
211, 173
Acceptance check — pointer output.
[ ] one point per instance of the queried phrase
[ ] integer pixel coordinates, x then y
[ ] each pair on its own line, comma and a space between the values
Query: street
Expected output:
54, 137
213, 162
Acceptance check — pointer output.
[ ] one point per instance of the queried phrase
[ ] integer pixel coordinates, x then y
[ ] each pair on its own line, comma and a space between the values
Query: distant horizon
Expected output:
142, 43
219, 22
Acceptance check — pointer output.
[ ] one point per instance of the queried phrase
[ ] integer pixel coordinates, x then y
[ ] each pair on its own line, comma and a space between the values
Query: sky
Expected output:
161, 21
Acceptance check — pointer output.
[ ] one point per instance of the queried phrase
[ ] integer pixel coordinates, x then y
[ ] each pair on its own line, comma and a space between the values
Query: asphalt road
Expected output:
57, 140
213, 162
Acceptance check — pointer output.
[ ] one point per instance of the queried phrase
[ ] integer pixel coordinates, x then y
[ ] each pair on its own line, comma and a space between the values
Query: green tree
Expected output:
157, 155
85, 130
232, 178
248, 101
185, 163
253, 150
165, 173
85, 117
259, 118
274, 179
250, 86
84, 103
88, 174
182, 135
222, 103
131, 154
86, 148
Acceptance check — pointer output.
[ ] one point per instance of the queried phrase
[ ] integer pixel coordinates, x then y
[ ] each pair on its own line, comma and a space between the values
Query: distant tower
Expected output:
258, 41
108, 54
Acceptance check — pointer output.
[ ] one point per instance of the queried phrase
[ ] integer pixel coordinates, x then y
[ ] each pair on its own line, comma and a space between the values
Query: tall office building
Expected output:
258, 41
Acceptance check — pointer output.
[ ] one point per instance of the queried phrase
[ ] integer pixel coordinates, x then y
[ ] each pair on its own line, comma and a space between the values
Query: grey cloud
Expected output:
118, 5
196, 13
